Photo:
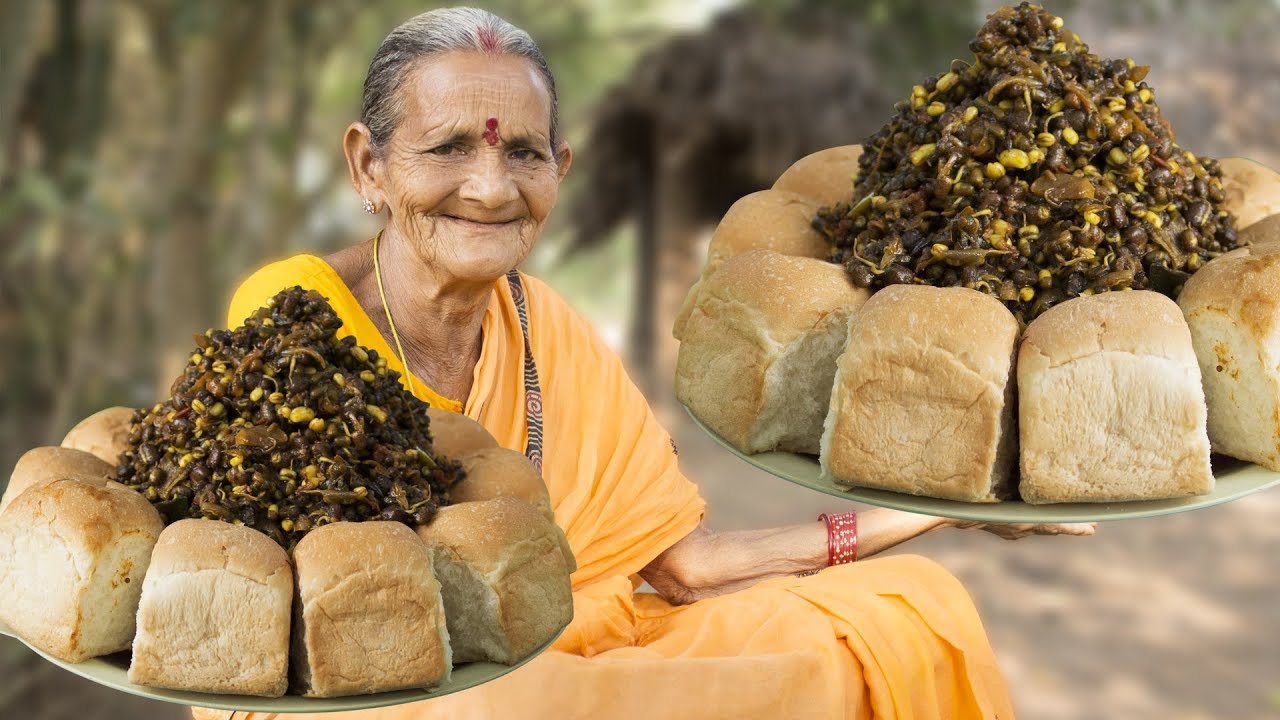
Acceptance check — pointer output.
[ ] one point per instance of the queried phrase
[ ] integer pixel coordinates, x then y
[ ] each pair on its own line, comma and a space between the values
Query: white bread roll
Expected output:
758, 357
1110, 404
1266, 230
826, 177
1232, 306
767, 220
506, 586
924, 396
368, 616
214, 615
43, 465
454, 434
499, 472
104, 433
1252, 190
72, 561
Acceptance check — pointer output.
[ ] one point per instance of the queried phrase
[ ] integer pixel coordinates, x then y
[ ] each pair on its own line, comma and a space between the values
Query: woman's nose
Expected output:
489, 182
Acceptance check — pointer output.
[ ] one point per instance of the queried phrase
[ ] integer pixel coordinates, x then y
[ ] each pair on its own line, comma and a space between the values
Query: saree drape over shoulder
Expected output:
896, 637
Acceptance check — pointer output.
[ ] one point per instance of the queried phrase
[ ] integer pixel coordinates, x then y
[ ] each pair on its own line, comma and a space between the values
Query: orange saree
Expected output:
889, 638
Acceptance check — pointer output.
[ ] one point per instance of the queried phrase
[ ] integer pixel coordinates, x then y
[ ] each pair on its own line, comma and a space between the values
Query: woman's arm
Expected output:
706, 564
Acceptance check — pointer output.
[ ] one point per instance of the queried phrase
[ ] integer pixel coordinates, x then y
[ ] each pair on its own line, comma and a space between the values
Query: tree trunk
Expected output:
679, 233
210, 72
20, 22
641, 351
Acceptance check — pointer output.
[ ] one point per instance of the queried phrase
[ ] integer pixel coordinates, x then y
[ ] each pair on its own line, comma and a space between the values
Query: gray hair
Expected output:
432, 33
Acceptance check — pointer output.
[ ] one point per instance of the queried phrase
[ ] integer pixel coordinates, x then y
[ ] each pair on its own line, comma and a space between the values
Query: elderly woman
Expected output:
458, 144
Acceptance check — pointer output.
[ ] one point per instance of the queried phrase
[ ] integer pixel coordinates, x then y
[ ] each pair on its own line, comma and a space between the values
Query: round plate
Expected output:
113, 671
1234, 479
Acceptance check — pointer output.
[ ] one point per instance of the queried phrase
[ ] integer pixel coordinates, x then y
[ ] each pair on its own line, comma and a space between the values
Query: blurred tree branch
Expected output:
20, 21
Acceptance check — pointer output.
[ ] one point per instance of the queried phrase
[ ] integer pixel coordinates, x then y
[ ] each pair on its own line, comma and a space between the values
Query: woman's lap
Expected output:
896, 636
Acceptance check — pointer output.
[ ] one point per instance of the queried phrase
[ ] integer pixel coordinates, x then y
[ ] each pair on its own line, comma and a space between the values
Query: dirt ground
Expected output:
1172, 618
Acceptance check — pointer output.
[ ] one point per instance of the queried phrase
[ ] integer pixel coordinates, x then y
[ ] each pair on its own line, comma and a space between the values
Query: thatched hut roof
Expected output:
728, 109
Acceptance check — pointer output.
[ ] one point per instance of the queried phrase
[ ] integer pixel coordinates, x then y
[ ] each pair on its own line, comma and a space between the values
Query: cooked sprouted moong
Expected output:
282, 426
1036, 173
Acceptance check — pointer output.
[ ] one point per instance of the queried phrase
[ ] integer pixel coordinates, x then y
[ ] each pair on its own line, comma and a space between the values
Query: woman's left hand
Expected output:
1016, 531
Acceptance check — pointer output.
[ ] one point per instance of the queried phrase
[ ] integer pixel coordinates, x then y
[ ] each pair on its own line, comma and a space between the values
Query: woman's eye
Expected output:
449, 149
525, 155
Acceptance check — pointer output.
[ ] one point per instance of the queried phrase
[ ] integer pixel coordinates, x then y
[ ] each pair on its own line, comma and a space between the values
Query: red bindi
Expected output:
491, 131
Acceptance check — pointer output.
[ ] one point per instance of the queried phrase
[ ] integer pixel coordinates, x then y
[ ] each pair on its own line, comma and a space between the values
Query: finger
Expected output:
1078, 529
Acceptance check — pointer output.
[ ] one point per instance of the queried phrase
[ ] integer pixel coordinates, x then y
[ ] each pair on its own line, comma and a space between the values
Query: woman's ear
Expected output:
564, 158
363, 164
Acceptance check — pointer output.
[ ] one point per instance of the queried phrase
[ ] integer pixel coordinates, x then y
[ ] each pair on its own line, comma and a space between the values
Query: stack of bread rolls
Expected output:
208, 606
939, 392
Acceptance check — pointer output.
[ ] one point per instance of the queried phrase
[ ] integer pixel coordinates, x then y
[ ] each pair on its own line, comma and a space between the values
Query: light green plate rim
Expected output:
113, 671
1234, 479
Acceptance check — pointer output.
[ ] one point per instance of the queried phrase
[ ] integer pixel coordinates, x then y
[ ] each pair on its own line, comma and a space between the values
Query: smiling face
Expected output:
469, 175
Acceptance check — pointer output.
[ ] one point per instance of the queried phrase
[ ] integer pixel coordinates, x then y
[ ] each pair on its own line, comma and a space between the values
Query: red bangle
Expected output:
842, 537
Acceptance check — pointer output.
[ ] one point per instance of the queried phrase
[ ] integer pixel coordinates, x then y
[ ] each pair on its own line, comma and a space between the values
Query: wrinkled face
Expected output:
469, 175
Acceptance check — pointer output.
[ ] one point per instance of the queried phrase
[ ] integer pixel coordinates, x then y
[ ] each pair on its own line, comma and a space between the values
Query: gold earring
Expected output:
368, 206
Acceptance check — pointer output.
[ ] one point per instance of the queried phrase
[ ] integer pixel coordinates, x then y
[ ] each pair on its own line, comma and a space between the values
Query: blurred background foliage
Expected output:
154, 152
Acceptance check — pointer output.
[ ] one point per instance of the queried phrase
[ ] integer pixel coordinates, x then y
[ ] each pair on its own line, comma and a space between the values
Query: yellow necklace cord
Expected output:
377, 273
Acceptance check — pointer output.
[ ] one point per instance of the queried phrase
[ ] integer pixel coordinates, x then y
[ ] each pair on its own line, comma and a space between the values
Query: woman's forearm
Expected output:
706, 564
881, 528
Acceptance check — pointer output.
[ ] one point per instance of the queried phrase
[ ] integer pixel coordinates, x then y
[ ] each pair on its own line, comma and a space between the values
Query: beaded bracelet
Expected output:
842, 537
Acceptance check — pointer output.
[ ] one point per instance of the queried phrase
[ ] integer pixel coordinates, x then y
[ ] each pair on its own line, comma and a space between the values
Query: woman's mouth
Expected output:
481, 223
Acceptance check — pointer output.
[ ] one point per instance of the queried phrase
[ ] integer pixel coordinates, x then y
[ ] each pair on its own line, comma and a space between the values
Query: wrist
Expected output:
842, 537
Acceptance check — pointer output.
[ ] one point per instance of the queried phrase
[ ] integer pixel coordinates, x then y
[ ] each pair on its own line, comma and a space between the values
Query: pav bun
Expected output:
104, 433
